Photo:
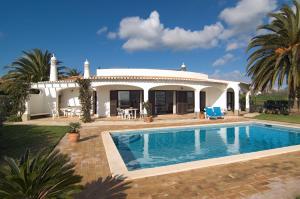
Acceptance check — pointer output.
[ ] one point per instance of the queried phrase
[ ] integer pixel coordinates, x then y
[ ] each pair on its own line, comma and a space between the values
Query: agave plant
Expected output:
44, 176
275, 56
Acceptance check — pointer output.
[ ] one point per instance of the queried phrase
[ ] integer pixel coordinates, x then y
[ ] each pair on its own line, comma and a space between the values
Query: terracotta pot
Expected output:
73, 137
148, 119
201, 116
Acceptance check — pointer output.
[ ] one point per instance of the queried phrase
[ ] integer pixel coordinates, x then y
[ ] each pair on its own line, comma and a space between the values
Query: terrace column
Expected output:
248, 101
236, 101
146, 97
26, 115
174, 102
197, 102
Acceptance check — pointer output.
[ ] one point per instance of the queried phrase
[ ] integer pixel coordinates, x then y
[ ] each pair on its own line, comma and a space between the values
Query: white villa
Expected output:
169, 92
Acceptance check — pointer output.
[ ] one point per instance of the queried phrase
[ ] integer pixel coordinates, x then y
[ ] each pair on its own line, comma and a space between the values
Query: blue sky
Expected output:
209, 36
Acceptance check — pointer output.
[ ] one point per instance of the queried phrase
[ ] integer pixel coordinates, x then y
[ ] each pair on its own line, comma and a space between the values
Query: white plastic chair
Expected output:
120, 113
128, 114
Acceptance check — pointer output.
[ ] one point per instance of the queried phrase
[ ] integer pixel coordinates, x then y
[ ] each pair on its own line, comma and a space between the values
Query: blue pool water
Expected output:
160, 147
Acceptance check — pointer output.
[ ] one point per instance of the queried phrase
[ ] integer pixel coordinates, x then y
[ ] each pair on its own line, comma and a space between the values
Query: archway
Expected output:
111, 98
230, 100
212, 96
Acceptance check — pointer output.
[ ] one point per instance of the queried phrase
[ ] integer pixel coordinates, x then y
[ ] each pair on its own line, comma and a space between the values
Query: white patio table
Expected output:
133, 110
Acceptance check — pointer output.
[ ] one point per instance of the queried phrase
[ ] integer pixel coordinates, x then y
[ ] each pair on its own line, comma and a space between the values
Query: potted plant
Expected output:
148, 107
201, 115
73, 135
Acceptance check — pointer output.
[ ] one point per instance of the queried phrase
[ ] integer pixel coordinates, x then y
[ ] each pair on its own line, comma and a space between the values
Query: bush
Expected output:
74, 127
85, 95
148, 106
14, 118
276, 106
45, 175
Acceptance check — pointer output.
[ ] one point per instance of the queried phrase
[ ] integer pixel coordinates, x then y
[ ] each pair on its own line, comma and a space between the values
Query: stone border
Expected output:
118, 167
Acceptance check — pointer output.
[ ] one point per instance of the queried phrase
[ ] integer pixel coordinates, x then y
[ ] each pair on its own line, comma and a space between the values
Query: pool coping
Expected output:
118, 168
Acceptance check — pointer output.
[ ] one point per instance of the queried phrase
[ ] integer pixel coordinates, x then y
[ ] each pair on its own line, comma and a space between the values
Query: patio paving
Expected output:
271, 177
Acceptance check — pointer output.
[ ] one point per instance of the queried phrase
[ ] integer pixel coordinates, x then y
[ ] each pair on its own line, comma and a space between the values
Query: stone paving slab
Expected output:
262, 178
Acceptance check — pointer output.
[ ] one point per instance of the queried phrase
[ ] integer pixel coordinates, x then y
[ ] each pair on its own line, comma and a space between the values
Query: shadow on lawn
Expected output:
105, 188
15, 139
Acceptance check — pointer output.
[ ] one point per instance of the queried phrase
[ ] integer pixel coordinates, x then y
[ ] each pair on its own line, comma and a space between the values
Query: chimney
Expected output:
183, 67
86, 74
53, 69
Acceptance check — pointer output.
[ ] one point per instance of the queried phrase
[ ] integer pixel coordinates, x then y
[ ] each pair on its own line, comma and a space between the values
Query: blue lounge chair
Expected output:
209, 113
218, 112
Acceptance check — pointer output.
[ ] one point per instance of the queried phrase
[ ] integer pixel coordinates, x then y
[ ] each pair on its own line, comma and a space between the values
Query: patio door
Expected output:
185, 102
202, 100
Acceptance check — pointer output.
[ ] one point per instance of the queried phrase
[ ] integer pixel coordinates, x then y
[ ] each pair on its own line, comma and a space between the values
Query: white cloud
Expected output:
232, 46
150, 33
245, 16
224, 59
235, 75
102, 30
112, 35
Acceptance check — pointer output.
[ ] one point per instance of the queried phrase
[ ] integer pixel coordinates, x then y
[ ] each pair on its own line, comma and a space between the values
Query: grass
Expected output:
15, 139
280, 118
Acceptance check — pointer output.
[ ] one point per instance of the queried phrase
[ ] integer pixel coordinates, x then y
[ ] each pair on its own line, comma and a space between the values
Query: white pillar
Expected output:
26, 114
248, 101
174, 102
86, 74
197, 101
53, 69
141, 100
236, 101
197, 141
146, 98
98, 102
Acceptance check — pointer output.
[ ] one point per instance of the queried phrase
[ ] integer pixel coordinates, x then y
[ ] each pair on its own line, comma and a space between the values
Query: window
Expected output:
123, 99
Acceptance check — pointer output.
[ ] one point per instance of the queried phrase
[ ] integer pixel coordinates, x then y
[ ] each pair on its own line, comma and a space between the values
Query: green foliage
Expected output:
74, 127
148, 106
43, 176
70, 72
85, 95
33, 66
275, 55
14, 118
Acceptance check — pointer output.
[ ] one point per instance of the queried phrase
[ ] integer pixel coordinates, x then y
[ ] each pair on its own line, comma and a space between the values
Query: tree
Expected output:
70, 72
33, 66
275, 55
85, 96
44, 176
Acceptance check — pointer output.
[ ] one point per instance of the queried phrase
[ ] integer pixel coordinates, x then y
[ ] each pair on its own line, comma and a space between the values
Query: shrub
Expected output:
148, 106
74, 127
14, 118
45, 175
85, 96
276, 106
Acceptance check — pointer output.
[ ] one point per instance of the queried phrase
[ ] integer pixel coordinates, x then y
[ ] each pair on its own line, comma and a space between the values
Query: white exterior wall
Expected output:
69, 97
48, 99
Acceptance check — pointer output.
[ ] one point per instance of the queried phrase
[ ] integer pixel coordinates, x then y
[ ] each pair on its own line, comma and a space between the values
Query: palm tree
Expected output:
33, 66
70, 72
275, 55
41, 177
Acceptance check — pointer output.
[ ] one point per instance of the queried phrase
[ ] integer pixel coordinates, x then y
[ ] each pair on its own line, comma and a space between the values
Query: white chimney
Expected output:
86, 74
53, 69
183, 67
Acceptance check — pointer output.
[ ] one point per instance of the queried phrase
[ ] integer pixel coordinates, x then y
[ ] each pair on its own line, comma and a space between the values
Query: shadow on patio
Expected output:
108, 188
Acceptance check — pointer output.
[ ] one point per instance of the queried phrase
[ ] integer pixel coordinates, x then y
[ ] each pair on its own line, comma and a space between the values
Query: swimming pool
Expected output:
141, 149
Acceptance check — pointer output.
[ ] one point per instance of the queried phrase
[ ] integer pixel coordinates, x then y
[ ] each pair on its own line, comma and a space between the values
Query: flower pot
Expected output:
73, 137
201, 116
148, 119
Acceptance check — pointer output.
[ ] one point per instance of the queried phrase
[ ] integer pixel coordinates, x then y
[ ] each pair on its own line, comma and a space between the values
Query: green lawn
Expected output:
280, 118
14, 139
